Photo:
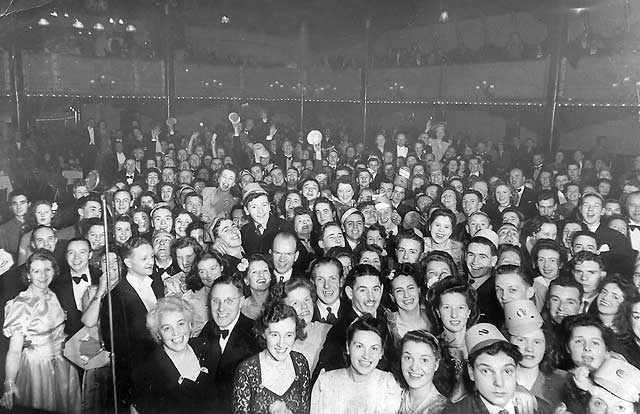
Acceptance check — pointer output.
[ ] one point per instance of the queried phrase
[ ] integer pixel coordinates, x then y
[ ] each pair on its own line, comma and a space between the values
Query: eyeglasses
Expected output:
226, 301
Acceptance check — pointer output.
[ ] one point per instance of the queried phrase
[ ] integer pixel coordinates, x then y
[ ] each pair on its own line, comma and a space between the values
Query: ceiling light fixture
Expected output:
78, 24
130, 28
43, 22
98, 26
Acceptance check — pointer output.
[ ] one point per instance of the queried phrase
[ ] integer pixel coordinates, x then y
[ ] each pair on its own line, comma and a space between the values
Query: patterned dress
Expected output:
251, 397
45, 379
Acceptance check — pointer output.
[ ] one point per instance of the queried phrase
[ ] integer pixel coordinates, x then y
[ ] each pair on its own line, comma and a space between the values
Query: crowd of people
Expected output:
248, 270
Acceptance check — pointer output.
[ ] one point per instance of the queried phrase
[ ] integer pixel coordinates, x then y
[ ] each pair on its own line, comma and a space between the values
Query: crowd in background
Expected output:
247, 268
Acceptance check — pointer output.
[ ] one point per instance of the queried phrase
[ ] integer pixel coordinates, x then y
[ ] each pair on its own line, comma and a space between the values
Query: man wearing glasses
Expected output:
230, 337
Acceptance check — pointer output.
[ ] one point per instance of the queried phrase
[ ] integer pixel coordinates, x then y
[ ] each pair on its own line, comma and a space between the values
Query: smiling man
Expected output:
230, 337
132, 298
480, 259
364, 288
259, 232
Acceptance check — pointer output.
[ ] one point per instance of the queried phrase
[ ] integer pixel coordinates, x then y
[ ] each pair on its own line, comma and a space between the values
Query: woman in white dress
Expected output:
362, 387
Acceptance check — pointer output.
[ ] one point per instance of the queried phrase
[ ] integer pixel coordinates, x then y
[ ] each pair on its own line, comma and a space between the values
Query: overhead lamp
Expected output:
98, 26
120, 21
444, 16
130, 28
66, 15
43, 22
112, 21
225, 19
54, 14
78, 24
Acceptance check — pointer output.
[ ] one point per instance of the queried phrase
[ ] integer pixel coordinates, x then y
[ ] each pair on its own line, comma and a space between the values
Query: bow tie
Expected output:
77, 279
224, 333
633, 227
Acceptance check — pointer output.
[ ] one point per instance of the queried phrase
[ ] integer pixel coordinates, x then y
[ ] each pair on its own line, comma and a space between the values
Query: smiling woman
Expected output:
276, 380
362, 387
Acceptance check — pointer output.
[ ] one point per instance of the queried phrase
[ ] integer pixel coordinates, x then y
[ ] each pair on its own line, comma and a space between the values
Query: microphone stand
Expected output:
109, 303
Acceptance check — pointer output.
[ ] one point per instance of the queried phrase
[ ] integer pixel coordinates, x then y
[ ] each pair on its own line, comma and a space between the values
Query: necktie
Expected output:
585, 306
503, 412
224, 333
77, 279
331, 318
260, 228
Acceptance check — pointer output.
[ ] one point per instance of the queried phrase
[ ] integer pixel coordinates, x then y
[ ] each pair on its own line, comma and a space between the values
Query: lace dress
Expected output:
434, 405
250, 396
45, 379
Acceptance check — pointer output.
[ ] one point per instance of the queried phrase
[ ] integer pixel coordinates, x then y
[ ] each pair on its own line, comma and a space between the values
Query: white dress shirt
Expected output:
91, 136
634, 235
494, 409
322, 308
80, 288
223, 341
402, 151
142, 286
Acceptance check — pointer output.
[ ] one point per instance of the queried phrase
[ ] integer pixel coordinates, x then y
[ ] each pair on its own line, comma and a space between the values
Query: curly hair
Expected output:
274, 312
40, 255
451, 284
621, 321
165, 305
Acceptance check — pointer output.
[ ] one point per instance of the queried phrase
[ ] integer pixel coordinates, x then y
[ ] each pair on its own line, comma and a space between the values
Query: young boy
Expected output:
493, 363
513, 283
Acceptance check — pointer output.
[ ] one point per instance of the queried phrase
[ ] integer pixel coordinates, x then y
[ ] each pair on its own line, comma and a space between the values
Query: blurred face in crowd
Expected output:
532, 345
284, 253
374, 238
480, 260
633, 207
229, 233
168, 175
193, 204
405, 293
560, 181
503, 195
95, 235
587, 347
226, 302
563, 301
303, 225
328, 283
258, 276
185, 257
185, 177
482, 187
386, 189
354, 227
440, 229
568, 231
408, 251
547, 207
495, 377
619, 225
573, 193
613, 207
511, 287
324, 213
365, 351
180, 224
609, 299
584, 242
122, 232
80, 191
310, 190
259, 209
477, 222
365, 295
44, 238
591, 210
454, 312
589, 274
141, 219
345, 193
226, 180
122, 202
162, 219
509, 234
547, 231
43, 214
332, 236
470, 204
548, 263
516, 178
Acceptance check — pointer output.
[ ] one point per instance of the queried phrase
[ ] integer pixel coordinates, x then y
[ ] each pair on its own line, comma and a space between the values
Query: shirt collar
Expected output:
135, 280
335, 306
494, 409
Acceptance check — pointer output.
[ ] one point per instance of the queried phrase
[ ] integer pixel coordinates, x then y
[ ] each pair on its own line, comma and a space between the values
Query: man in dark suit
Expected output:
526, 197
229, 336
132, 298
364, 287
259, 232
326, 273
114, 162
615, 249
129, 174
72, 283
481, 258
285, 159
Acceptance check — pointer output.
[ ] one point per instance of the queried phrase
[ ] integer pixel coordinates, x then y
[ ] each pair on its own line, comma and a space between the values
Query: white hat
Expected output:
619, 378
521, 317
490, 235
481, 336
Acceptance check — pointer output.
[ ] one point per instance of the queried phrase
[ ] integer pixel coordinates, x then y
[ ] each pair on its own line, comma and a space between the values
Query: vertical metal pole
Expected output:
364, 72
169, 72
559, 41
17, 81
110, 304
303, 71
